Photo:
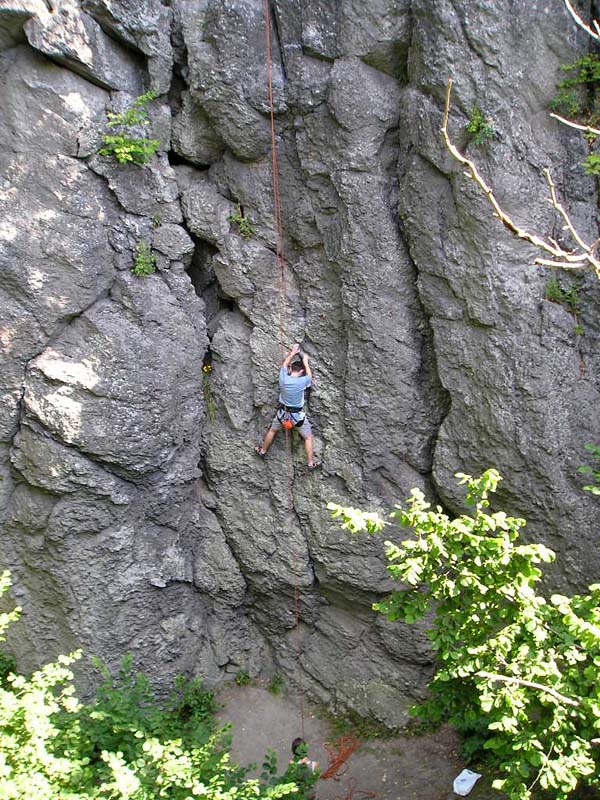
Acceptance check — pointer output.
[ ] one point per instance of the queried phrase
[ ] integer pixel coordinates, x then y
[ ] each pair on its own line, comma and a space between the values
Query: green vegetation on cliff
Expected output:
130, 144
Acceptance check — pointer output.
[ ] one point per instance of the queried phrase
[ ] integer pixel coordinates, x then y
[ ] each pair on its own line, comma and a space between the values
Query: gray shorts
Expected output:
304, 430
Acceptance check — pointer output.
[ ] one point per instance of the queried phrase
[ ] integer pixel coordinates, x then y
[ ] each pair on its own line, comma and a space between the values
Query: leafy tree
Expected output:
517, 674
122, 746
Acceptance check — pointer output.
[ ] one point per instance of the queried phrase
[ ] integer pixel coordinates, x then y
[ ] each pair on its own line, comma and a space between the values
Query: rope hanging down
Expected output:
283, 334
279, 253
339, 751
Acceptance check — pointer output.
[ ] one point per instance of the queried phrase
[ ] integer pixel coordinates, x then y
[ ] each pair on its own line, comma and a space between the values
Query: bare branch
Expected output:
542, 768
545, 262
562, 212
595, 34
571, 124
493, 676
583, 258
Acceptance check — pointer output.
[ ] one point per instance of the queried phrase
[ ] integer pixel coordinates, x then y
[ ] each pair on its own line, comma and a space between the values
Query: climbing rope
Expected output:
340, 750
338, 753
279, 252
283, 330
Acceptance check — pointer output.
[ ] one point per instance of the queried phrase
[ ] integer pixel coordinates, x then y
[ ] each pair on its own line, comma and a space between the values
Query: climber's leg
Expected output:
305, 431
308, 446
268, 440
261, 449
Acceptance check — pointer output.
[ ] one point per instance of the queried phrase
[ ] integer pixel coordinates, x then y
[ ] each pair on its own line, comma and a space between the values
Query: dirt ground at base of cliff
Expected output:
399, 768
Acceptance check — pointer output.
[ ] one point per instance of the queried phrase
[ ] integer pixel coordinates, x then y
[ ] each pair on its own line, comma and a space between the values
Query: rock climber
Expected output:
295, 377
302, 771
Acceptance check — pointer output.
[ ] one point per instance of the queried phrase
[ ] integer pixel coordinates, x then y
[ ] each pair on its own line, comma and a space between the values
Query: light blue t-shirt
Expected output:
292, 389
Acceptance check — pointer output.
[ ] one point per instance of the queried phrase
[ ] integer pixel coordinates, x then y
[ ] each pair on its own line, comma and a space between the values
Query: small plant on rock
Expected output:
591, 165
586, 469
566, 296
479, 126
576, 97
145, 261
130, 144
276, 684
241, 222
242, 678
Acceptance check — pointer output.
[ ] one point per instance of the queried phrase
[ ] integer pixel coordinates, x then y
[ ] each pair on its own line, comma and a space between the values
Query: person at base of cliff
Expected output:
302, 771
295, 377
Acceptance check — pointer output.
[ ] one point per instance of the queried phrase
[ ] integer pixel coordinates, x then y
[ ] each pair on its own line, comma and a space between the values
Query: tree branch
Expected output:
563, 213
583, 258
595, 34
571, 124
493, 676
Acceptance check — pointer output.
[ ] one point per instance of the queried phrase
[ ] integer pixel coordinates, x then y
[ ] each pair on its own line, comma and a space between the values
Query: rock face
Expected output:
136, 517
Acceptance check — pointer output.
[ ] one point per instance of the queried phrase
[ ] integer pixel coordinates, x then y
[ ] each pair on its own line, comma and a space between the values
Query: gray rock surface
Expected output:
144, 26
71, 37
136, 516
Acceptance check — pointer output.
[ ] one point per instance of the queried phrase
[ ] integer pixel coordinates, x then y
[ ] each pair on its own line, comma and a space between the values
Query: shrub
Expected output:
591, 165
124, 745
8, 665
130, 144
145, 261
242, 678
576, 97
298, 773
479, 126
276, 685
242, 223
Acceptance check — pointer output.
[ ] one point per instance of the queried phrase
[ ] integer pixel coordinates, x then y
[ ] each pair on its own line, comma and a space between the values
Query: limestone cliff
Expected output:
132, 521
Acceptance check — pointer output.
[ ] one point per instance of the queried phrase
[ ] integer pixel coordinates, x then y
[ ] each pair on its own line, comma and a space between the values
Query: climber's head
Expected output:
297, 368
299, 747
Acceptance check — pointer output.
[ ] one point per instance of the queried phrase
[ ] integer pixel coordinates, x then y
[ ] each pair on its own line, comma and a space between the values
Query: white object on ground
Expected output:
464, 782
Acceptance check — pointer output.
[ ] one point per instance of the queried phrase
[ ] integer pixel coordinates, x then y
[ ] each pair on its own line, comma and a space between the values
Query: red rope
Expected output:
279, 254
339, 752
283, 328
